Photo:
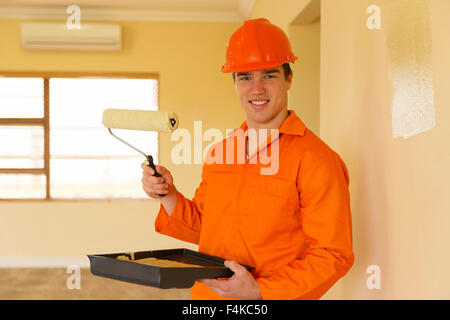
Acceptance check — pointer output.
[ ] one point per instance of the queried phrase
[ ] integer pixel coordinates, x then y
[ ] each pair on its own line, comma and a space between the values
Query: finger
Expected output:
215, 289
152, 180
215, 284
155, 188
161, 170
165, 173
148, 187
151, 194
147, 169
160, 189
235, 267
154, 193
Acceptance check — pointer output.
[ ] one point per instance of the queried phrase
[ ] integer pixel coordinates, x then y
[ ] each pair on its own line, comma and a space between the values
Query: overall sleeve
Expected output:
326, 221
185, 221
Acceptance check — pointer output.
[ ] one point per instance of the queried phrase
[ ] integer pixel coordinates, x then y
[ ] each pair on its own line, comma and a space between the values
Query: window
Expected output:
53, 144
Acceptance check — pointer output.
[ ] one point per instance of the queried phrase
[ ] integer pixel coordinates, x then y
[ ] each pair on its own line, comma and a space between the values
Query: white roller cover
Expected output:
163, 121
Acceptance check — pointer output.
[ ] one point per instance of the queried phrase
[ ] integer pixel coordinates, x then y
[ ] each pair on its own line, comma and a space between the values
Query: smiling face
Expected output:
263, 96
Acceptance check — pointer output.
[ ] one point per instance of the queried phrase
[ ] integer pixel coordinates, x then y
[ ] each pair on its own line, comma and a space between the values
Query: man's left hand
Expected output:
242, 285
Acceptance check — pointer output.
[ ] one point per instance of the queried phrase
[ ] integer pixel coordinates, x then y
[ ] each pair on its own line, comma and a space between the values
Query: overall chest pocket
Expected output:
267, 208
221, 186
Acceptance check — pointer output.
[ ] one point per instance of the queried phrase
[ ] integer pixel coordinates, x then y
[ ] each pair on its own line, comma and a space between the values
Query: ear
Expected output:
289, 80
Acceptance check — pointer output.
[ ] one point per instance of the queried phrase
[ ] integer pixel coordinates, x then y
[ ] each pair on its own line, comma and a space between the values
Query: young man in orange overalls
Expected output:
292, 224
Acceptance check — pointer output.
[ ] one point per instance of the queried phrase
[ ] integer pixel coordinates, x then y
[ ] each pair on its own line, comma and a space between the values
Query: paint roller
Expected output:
162, 121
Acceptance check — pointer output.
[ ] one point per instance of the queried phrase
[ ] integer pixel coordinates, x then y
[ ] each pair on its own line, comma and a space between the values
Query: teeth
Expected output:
259, 102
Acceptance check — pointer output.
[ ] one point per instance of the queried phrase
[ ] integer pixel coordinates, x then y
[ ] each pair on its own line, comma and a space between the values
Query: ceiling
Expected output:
171, 10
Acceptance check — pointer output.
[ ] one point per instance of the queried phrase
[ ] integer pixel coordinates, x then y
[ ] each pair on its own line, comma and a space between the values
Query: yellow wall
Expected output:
187, 57
399, 187
304, 96
282, 13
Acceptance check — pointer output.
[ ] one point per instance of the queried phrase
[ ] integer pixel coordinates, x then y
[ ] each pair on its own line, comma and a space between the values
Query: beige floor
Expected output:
50, 283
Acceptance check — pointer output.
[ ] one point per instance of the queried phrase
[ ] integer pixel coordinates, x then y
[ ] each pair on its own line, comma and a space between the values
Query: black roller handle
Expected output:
152, 165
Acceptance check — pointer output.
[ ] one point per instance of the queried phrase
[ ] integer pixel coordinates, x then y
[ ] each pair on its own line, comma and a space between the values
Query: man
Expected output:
293, 225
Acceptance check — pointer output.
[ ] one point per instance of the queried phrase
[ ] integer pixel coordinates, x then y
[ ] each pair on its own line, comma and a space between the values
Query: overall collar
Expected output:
291, 125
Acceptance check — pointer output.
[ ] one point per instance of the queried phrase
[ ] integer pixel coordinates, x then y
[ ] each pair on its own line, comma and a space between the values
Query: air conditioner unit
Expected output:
56, 36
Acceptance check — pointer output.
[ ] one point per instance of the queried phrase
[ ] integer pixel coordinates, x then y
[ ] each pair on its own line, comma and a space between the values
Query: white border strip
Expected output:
42, 262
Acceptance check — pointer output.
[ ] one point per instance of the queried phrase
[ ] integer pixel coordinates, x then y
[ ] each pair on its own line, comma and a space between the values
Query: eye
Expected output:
269, 76
244, 78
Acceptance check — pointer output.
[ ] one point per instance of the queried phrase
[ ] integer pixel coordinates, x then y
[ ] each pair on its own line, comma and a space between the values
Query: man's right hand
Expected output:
157, 185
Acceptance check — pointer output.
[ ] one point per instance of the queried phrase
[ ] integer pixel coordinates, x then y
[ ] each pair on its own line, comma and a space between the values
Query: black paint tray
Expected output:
107, 265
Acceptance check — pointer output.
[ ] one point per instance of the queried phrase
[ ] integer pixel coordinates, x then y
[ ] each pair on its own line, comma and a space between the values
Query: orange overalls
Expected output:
293, 226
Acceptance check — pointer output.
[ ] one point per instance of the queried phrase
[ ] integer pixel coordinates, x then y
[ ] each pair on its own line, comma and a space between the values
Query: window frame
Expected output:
45, 123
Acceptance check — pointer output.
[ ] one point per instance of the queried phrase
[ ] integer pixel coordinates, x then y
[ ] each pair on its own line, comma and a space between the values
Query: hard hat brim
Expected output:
257, 66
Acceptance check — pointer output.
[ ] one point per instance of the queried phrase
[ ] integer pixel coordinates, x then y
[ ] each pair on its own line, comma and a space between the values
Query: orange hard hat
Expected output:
257, 44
